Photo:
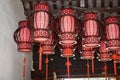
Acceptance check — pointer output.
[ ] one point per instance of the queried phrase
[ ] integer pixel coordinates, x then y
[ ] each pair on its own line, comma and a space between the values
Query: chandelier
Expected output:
66, 32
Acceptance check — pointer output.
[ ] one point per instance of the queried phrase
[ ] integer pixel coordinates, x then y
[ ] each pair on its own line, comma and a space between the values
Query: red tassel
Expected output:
88, 66
115, 70
68, 64
40, 58
24, 66
46, 61
105, 69
93, 65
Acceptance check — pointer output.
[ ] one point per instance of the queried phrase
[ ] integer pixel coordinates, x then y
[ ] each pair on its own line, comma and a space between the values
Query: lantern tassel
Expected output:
40, 58
68, 64
88, 66
105, 69
46, 61
115, 70
93, 65
24, 67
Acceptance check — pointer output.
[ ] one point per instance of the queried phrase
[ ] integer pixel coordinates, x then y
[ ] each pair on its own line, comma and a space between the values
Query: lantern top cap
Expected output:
67, 11
111, 19
23, 23
90, 15
41, 6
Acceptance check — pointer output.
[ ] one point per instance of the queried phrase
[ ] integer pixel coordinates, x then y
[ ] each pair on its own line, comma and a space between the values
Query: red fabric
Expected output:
112, 28
67, 21
41, 18
24, 32
90, 28
90, 24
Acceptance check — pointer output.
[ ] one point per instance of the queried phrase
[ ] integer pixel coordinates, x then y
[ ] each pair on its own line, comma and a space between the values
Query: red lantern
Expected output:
22, 37
87, 52
67, 51
41, 21
67, 28
104, 54
91, 29
112, 33
48, 46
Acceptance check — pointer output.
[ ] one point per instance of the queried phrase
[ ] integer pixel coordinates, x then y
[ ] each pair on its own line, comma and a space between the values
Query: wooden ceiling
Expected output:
104, 8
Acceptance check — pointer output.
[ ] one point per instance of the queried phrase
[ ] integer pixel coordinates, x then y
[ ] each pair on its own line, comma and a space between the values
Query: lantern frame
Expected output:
68, 37
91, 40
23, 46
112, 44
41, 34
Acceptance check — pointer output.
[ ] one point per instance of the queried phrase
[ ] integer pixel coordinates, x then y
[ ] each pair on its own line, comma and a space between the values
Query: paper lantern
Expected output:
112, 33
67, 34
91, 29
41, 21
22, 37
104, 55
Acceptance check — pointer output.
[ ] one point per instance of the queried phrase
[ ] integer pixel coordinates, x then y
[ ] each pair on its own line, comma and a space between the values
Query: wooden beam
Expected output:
94, 3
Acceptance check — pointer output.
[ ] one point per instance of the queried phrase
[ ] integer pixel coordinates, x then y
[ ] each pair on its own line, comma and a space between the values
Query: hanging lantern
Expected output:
67, 35
48, 46
22, 37
112, 33
87, 52
67, 51
41, 21
91, 29
104, 55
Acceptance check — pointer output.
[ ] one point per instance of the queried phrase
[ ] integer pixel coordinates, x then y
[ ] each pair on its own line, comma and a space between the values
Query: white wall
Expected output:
11, 61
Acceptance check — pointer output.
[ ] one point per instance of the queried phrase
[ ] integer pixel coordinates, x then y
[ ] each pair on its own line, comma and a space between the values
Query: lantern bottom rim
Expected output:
104, 60
66, 55
71, 42
40, 39
24, 50
85, 58
92, 45
113, 48
48, 53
